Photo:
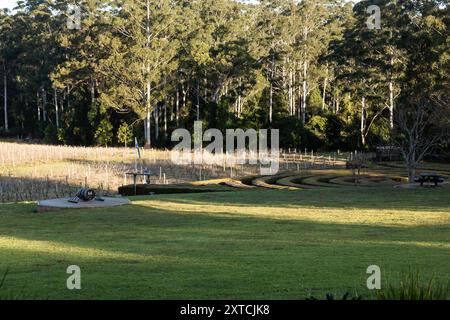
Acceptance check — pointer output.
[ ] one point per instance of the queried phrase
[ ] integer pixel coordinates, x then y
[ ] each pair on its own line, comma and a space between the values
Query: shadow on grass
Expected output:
425, 199
144, 253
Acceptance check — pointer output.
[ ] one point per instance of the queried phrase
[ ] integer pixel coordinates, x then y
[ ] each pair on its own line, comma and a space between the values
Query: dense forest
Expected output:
102, 71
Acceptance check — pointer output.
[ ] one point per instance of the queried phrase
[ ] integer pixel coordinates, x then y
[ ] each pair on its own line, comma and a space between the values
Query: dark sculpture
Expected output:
85, 195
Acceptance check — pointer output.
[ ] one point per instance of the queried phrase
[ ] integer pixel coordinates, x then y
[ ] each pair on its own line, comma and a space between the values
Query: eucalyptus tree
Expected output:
143, 43
77, 80
315, 17
38, 53
5, 42
270, 29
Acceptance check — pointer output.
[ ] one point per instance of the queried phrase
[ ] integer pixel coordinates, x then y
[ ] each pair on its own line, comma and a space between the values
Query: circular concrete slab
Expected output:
58, 204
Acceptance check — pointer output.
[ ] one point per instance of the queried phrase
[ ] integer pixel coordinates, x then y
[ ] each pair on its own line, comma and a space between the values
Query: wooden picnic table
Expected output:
433, 178
147, 176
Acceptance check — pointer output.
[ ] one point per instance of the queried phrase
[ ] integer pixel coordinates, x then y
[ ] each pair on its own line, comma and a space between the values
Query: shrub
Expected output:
145, 190
50, 134
103, 134
333, 131
124, 134
411, 287
331, 297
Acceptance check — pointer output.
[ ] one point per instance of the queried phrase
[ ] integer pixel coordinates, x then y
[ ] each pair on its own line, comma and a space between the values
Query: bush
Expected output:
314, 135
411, 287
146, 189
103, 134
125, 134
290, 132
334, 128
50, 135
331, 297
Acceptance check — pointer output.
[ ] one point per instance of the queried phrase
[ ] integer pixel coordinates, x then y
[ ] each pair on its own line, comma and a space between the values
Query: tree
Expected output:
5, 35
143, 44
125, 134
252, 64
421, 130
103, 134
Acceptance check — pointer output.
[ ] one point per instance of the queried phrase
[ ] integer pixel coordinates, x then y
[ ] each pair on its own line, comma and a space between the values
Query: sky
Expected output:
7, 4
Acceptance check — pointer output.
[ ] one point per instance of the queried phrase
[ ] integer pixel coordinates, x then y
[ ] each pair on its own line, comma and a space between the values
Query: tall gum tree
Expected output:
143, 42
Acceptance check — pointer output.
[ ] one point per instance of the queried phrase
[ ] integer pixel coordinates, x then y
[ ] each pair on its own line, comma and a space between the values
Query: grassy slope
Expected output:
247, 244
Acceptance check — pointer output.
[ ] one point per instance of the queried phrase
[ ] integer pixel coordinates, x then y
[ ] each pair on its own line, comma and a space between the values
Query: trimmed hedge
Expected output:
146, 189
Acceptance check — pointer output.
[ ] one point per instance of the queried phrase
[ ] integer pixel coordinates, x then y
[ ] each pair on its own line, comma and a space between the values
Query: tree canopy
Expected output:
311, 68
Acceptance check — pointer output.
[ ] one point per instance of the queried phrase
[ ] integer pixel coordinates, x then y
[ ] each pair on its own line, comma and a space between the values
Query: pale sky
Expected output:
7, 4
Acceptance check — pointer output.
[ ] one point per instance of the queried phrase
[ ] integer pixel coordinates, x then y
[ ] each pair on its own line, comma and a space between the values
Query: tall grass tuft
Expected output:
412, 287
2, 281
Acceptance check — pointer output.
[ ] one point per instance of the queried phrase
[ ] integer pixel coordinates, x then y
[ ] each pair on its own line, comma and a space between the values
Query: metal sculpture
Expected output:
85, 195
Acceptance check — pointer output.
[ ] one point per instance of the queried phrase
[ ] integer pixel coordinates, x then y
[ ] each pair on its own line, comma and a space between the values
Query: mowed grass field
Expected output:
257, 244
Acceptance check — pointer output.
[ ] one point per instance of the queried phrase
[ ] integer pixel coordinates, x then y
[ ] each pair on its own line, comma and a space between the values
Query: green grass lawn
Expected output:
257, 244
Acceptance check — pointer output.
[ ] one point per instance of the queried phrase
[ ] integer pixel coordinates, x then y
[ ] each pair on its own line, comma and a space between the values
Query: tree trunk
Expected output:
271, 102
44, 105
92, 92
363, 121
411, 173
38, 107
294, 107
305, 76
5, 99
325, 83
55, 93
165, 120
391, 105
156, 114
411, 163
290, 93
149, 88
338, 101
272, 76
198, 100
177, 108
305, 93
149, 117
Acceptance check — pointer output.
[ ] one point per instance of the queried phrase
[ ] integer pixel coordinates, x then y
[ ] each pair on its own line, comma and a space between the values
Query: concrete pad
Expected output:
58, 204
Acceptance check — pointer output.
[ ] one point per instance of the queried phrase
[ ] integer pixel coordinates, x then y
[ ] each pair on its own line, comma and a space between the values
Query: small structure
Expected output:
146, 174
429, 178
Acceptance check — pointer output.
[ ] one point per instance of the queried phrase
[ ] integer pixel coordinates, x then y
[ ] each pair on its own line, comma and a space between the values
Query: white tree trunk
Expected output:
149, 88
44, 105
338, 101
56, 107
198, 101
38, 107
271, 91
305, 91
363, 121
290, 93
324, 95
165, 120
149, 117
305, 76
391, 105
177, 108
